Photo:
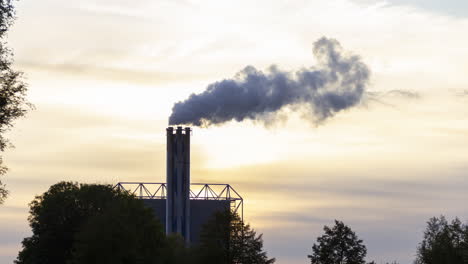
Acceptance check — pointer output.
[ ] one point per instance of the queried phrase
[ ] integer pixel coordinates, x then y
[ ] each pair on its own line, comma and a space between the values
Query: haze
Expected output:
104, 76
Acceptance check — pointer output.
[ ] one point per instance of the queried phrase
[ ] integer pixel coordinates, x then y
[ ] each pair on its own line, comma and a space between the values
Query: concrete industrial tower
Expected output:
181, 206
178, 182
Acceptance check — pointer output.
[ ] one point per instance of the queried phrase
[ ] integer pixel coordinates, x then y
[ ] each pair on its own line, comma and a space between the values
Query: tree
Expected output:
125, 232
225, 239
339, 245
443, 243
74, 223
176, 252
6, 15
3, 191
13, 103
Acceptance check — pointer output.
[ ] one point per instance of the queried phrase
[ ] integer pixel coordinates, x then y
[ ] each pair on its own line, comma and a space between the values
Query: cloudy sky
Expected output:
105, 74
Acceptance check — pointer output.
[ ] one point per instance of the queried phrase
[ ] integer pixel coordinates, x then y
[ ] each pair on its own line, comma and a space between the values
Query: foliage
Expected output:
13, 103
7, 13
74, 223
225, 239
127, 232
340, 245
443, 242
175, 251
3, 191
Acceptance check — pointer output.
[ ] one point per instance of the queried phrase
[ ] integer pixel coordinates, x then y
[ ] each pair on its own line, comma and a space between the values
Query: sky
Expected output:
105, 74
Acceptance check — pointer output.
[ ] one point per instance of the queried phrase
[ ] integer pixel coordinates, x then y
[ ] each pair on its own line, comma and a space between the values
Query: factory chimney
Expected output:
178, 182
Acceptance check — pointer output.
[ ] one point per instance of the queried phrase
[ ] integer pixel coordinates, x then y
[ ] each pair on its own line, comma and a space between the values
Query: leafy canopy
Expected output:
74, 224
339, 245
225, 239
13, 103
443, 242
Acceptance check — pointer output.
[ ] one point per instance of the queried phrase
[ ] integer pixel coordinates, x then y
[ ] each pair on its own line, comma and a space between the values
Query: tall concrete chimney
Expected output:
178, 182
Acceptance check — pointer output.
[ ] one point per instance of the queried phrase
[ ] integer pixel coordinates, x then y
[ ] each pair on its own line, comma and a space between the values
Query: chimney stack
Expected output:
178, 182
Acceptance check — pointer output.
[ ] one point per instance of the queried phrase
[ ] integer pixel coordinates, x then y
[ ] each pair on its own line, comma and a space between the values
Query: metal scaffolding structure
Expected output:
198, 191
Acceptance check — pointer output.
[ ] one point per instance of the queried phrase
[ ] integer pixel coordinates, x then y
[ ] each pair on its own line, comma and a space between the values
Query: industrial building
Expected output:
181, 206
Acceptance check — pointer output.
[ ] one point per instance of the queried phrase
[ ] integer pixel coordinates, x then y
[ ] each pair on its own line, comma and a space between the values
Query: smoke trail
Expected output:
337, 83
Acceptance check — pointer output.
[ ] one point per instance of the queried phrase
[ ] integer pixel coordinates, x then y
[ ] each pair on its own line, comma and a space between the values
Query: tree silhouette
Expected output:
339, 245
225, 239
176, 252
74, 224
123, 233
13, 103
3, 191
443, 243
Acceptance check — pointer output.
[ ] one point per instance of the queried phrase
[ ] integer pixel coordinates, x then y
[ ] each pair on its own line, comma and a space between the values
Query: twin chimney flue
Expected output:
180, 210
178, 182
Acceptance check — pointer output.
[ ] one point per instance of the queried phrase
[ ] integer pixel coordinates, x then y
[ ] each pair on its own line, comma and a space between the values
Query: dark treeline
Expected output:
443, 243
89, 223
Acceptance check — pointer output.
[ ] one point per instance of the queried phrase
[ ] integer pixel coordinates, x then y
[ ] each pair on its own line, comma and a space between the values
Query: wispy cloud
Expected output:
388, 98
110, 73
448, 7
